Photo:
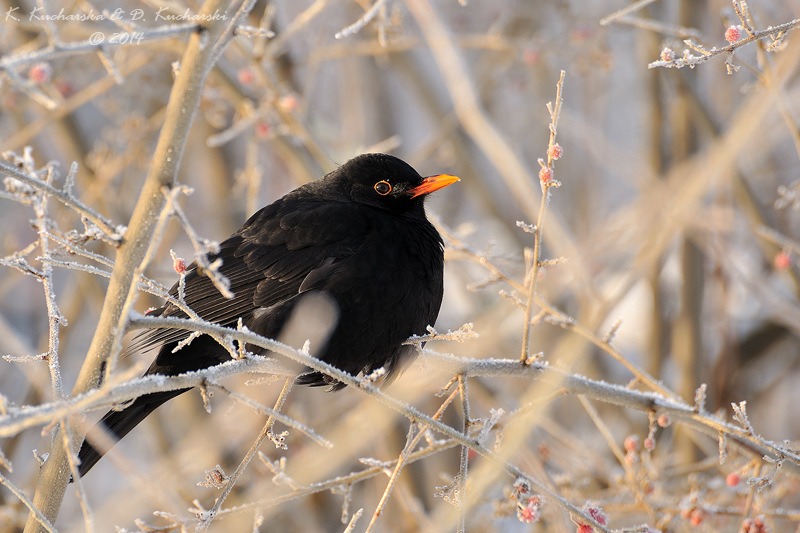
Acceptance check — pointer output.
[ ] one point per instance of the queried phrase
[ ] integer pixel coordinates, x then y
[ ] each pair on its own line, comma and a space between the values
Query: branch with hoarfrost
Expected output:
465, 332
17, 419
614, 394
413, 438
546, 182
622, 396
332, 484
21, 496
202, 248
58, 50
365, 19
20, 419
55, 318
266, 433
23, 179
670, 60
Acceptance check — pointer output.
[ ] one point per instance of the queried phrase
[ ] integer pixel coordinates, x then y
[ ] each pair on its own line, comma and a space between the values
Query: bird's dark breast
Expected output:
390, 289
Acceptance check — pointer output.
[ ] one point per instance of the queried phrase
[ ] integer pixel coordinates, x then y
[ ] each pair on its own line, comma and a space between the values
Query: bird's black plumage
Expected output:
359, 235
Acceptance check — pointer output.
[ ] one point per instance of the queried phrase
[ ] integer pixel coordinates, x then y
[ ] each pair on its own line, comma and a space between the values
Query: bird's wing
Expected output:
282, 251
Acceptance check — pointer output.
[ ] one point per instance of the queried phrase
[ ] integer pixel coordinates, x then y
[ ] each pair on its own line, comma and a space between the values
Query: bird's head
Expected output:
389, 183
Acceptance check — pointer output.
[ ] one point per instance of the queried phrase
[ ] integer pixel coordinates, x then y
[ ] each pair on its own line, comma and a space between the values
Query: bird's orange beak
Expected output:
433, 183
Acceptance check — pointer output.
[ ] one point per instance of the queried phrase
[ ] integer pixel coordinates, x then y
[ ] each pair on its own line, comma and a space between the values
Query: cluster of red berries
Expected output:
755, 525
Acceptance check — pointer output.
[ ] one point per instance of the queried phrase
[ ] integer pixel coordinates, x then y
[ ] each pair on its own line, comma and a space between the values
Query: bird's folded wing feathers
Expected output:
273, 258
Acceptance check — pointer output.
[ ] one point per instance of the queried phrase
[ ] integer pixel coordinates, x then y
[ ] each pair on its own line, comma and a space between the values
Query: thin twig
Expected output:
365, 19
115, 233
80, 490
533, 270
464, 456
411, 443
265, 432
636, 6
57, 51
40, 518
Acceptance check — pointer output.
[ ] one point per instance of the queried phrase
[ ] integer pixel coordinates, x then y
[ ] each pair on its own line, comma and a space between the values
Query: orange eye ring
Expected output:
383, 187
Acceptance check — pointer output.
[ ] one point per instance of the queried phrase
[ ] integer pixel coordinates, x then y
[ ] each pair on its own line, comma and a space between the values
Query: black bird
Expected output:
359, 235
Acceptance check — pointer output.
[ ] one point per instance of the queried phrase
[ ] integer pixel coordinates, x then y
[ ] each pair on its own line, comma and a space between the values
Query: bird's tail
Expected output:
120, 423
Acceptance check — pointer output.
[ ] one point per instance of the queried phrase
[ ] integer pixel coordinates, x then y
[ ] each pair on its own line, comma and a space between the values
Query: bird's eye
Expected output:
383, 188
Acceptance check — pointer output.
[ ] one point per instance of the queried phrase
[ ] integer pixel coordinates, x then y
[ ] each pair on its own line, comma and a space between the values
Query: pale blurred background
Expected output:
667, 174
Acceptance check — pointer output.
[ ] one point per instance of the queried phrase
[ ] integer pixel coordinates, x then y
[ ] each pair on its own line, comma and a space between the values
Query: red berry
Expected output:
667, 54
649, 444
40, 73
245, 76
631, 443
262, 130
732, 479
584, 528
179, 265
663, 421
555, 151
733, 34
696, 517
783, 260
545, 175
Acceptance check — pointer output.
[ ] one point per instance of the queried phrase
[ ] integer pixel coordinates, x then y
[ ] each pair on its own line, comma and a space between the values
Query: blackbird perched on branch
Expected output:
359, 236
